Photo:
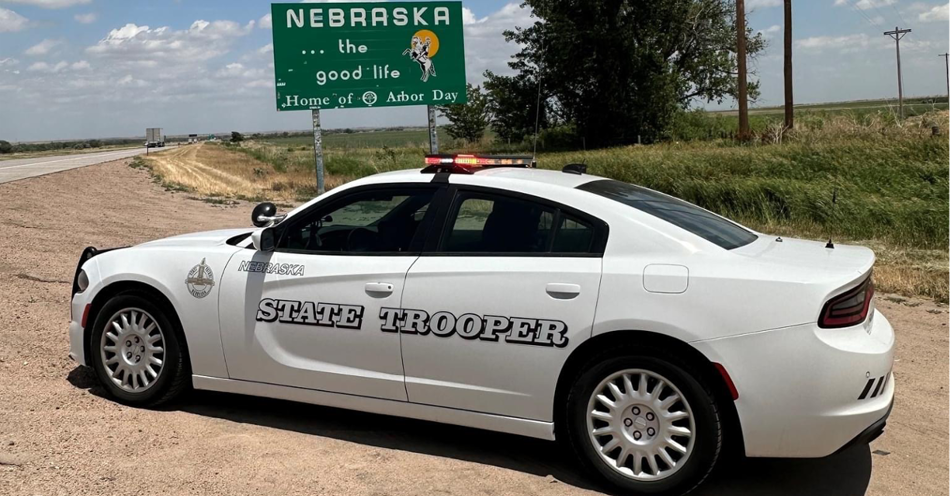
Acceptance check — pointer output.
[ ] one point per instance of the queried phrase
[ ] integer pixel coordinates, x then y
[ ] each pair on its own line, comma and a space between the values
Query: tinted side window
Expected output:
383, 221
573, 235
682, 214
484, 223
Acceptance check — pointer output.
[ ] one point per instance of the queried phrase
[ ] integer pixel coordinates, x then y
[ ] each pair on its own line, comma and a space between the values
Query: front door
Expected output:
306, 315
489, 318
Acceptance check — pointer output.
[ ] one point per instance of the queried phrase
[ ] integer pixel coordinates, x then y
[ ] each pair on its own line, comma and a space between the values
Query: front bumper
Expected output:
804, 391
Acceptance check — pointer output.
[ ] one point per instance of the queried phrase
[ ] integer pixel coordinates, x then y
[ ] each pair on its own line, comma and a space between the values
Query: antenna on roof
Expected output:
537, 112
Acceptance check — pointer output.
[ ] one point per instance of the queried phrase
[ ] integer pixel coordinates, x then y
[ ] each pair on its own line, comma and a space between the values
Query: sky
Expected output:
75, 69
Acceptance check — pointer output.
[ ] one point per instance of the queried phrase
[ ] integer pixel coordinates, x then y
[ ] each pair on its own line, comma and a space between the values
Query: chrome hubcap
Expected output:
133, 349
641, 425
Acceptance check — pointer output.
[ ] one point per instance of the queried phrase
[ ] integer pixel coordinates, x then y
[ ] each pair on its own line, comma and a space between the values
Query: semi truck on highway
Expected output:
154, 137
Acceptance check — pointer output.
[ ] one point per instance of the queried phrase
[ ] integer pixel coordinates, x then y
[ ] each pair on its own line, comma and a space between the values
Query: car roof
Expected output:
487, 176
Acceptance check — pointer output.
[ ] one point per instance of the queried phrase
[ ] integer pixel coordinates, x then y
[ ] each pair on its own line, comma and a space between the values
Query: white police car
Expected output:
645, 331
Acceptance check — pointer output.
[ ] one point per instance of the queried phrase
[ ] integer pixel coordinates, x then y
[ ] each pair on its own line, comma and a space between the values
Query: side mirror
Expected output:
263, 239
265, 214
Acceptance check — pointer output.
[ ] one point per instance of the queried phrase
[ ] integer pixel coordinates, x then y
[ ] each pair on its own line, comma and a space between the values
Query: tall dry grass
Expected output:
888, 178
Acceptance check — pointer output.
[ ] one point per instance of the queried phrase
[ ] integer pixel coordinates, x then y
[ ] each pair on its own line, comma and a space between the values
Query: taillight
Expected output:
848, 308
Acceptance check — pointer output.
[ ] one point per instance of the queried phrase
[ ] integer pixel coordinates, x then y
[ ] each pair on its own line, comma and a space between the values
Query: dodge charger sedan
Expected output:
646, 333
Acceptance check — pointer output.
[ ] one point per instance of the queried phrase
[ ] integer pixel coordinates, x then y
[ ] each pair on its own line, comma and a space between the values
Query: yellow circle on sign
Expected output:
422, 34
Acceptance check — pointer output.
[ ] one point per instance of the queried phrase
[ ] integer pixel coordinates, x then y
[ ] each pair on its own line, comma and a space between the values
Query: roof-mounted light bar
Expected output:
468, 164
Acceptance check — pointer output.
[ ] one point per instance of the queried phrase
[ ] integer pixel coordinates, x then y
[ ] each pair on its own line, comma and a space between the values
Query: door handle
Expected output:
563, 291
378, 289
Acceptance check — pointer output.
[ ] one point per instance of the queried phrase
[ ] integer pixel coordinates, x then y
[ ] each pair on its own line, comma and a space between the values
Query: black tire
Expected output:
174, 376
708, 424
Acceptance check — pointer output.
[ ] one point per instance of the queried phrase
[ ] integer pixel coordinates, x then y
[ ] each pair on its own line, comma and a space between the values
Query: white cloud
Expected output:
86, 18
754, 4
468, 17
202, 41
265, 22
771, 30
9, 61
44, 67
938, 13
51, 4
843, 43
42, 48
485, 45
80, 65
871, 4
10, 21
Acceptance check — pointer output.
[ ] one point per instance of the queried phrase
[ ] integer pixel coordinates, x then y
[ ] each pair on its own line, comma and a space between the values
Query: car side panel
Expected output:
166, 270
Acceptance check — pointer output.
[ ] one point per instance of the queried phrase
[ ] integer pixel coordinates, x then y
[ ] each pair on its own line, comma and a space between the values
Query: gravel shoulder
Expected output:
60, 435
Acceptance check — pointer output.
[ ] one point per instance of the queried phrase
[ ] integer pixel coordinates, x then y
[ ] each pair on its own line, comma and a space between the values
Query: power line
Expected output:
874, 6
859, 9
898, 13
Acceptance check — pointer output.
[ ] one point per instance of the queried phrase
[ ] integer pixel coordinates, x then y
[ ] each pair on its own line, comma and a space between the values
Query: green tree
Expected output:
513, 102
5, 147
468, 120
236, 137
619, 69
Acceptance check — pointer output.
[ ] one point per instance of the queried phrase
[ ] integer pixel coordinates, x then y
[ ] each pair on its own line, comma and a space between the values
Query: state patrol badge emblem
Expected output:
200, 280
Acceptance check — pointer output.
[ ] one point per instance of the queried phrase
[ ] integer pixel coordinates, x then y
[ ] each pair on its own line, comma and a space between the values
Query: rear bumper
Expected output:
871, 433
808, 392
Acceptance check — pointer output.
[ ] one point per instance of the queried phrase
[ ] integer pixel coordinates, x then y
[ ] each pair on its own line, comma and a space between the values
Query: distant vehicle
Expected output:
192, 138
154, 137
644, 331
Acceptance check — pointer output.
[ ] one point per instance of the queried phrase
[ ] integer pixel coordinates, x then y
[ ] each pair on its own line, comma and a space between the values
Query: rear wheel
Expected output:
644, 423
136, 351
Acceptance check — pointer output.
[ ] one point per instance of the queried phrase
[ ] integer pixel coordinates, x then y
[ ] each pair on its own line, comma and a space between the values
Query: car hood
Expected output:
205, 238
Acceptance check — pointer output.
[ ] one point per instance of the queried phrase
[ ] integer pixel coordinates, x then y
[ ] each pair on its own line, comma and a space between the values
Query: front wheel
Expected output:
136, 351
644, 423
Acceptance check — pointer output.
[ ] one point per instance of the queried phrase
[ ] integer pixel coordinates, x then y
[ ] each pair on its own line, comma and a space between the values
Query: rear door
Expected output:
496, 304
306, 314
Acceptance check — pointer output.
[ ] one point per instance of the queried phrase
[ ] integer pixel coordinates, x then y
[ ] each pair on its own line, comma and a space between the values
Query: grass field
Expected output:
891, 181
410, 137
912, 106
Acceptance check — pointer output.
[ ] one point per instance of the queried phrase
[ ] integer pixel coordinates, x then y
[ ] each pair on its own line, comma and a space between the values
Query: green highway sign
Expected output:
352, 55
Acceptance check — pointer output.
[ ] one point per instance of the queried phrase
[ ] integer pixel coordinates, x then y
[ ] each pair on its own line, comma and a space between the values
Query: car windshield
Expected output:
682, 214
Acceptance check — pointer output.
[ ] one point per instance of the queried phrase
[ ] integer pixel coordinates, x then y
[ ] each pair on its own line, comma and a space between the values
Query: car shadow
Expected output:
843, 474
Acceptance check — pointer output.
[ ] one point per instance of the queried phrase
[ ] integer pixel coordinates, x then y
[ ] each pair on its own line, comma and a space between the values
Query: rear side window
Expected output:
682, 214
489, 224
486, 223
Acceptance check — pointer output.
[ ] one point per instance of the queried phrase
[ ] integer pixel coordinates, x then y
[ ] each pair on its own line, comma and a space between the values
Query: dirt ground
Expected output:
60, 435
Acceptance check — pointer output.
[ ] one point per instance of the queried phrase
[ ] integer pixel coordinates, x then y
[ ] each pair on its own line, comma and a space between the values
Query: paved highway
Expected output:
22, 168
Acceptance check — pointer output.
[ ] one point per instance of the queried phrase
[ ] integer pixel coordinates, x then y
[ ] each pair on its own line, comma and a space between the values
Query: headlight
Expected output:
82, 281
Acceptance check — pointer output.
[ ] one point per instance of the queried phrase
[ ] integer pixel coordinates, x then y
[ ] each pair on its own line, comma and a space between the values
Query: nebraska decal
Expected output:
272, 268
519, 330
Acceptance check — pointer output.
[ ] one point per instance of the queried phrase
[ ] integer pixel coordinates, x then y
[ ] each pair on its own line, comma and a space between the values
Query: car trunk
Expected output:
811, 262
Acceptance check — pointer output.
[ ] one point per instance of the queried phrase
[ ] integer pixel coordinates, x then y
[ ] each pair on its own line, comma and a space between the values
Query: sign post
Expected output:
318, 149
366, 55
433, 133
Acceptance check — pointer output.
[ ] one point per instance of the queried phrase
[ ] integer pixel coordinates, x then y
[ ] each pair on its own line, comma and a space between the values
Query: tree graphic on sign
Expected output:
423, 46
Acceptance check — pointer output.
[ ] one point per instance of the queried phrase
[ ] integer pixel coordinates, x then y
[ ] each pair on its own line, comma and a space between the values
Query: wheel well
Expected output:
116, 288
618, 339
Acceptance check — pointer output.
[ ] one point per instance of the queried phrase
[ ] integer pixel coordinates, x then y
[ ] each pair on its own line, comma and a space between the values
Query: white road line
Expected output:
81, 157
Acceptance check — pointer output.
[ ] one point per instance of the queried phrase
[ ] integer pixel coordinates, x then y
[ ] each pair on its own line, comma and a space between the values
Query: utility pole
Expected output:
946, 63
789, 100
740, 55
897, 34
